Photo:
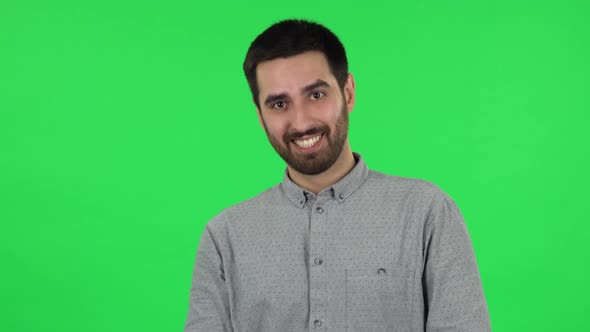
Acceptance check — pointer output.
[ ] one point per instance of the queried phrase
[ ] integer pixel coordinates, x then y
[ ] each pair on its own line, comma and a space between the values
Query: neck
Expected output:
316, 183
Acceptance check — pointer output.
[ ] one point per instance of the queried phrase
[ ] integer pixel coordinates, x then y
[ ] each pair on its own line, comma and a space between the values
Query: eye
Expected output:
279, 105
317, 95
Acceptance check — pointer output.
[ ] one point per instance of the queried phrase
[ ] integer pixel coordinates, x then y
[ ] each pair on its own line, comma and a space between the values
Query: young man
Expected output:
335, 246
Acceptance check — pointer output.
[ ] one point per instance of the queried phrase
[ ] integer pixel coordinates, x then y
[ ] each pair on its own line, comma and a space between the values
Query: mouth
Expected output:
308, 143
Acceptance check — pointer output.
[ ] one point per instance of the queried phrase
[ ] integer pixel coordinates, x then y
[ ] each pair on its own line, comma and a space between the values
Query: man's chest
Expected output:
347, 266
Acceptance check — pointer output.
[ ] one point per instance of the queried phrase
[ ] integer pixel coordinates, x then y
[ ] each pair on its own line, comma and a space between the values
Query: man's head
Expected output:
292, 37
298, 75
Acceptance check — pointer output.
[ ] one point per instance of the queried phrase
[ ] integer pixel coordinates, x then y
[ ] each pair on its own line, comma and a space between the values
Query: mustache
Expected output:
298, 134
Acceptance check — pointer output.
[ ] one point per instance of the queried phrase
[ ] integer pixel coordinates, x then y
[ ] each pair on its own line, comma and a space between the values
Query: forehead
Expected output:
286, 75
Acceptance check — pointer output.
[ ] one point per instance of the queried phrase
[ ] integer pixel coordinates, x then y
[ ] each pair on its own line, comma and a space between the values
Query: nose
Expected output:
301, 119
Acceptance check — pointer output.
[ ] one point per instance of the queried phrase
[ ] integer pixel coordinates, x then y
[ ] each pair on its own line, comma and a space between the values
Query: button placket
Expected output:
317, 250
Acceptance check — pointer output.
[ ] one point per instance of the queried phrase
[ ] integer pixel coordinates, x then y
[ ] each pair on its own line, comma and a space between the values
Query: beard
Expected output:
319, 161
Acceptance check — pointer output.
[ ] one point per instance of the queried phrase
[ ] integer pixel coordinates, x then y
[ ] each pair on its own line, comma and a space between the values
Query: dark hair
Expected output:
292, 37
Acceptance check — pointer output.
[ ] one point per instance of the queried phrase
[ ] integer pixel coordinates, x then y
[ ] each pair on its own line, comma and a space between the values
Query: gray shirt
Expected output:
372, 252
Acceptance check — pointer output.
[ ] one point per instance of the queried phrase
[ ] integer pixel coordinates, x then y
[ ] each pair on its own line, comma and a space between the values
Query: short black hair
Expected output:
292, 37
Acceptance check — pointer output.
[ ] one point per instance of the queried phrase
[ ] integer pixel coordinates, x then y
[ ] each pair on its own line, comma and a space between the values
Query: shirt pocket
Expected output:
379, 298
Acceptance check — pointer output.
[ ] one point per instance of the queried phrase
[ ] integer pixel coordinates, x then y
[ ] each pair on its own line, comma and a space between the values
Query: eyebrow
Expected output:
317, 84
306, 89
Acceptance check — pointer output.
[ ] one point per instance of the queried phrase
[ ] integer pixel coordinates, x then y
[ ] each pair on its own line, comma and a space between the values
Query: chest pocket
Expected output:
379, 298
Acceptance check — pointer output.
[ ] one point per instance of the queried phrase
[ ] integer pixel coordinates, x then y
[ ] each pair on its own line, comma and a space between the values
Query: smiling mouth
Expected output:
308, 142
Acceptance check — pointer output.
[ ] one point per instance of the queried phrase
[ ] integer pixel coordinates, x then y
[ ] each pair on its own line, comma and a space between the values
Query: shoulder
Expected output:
406, 186
247, 209
420, 196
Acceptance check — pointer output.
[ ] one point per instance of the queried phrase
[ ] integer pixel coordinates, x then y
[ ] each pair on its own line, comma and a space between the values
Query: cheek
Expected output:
275, 125
330, 112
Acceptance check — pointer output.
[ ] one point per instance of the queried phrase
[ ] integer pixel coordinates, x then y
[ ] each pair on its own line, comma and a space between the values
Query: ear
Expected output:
349, 92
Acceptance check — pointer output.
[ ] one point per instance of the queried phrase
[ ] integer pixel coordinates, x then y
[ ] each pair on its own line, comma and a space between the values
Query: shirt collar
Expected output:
340, 190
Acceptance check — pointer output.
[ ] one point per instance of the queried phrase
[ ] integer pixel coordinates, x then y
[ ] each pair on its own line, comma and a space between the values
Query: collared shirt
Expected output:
372, 252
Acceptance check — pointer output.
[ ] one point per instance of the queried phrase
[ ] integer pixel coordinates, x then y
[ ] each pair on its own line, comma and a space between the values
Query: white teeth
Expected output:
306, 143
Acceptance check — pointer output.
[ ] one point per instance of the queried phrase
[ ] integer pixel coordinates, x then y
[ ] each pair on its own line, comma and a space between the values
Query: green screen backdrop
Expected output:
126, 125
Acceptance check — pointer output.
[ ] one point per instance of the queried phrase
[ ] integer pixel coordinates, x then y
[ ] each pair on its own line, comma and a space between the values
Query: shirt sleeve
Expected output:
453, 292
209, 300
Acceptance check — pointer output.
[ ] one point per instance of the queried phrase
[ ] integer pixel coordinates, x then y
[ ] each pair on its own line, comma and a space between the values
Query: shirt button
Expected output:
319, 209
317, 323
341, 196
381, 272
318, 261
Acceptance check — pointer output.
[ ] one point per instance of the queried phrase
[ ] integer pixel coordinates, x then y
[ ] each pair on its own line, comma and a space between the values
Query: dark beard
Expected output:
317, 162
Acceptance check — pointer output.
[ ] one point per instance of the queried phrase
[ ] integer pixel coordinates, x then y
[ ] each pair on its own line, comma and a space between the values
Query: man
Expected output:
335, 246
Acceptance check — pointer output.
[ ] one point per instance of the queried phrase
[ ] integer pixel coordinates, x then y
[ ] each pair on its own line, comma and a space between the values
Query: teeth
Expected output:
306, 143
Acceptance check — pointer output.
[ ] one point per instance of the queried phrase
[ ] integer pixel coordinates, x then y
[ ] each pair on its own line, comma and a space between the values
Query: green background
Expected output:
126, 125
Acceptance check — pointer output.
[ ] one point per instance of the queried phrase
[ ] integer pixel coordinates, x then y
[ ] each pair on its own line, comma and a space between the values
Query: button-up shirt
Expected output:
371, 252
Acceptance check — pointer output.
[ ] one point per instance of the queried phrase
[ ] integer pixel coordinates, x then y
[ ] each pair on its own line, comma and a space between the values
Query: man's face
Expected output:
303, 111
